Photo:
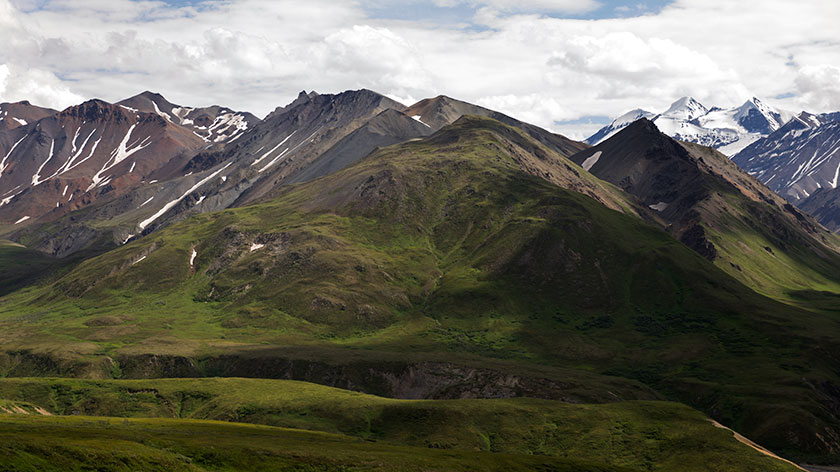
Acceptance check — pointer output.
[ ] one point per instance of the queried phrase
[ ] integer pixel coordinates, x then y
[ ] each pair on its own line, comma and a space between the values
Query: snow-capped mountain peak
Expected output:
618, 124
757, 117
728, 129
631, 116
686, 109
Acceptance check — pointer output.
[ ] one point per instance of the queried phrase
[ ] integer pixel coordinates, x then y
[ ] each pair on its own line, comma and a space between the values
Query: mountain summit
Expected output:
728, 130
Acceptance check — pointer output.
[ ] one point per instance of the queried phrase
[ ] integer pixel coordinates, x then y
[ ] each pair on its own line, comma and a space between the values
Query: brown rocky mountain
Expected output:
95, 150
13, 115
58, 162
214, 124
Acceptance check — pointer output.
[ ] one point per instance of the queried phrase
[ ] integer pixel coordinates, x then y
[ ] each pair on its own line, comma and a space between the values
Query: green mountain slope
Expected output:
449, 251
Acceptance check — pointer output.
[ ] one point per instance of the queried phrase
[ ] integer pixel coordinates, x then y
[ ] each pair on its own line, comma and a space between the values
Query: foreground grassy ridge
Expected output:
633, 435
81, 444
444, 248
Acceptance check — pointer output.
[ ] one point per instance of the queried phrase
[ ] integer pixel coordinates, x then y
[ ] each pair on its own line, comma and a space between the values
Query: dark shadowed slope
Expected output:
720, 211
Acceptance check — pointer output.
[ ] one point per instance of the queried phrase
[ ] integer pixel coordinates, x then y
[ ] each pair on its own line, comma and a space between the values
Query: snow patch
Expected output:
36, 178
21, 220
69, 165
272, 149
661, 206
171, 204
138, 260
256, 246
307, 140
22, 122
3, 162
157, 110
418, 118
6, 200
146, 202
192, 257
121, 153
591, 161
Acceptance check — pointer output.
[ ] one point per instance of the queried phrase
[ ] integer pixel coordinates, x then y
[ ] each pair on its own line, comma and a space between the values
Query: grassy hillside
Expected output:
442, 251
480, 434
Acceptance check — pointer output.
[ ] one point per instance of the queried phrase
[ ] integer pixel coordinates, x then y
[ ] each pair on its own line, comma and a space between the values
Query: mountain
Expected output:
387, 128
97, 154
728, 130
445, 268
718, 210
13, 115
214, 124
309, 138
91, 151
824, 205
797, 159
619, 124
442, 110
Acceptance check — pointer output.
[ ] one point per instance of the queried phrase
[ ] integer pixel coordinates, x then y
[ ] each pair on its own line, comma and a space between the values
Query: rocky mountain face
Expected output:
442, 110
13, 115
728, 130
714, 207
96, 154
824, 205
66, 161
798, 159
214, 124
311, 137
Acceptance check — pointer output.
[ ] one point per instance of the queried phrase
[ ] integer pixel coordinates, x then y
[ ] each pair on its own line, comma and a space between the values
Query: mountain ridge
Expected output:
728, 130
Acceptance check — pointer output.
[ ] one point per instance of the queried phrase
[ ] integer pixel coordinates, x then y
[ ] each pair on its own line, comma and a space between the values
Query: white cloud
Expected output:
552, 6
37, 86
258, 54
820, 86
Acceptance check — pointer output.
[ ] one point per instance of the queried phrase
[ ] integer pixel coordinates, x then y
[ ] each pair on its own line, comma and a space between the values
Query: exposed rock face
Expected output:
824, 205
797, 160
15, 115
214, 124
87, 153
422, 380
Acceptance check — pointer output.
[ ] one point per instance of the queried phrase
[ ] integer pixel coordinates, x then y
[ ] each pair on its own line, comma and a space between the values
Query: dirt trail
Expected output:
755, 446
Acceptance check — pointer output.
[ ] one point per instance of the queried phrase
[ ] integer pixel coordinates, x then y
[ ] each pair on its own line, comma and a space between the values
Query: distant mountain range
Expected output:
727, 130
797, 156
798, 159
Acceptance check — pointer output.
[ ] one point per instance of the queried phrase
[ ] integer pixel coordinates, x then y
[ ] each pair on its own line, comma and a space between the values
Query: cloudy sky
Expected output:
566, 65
